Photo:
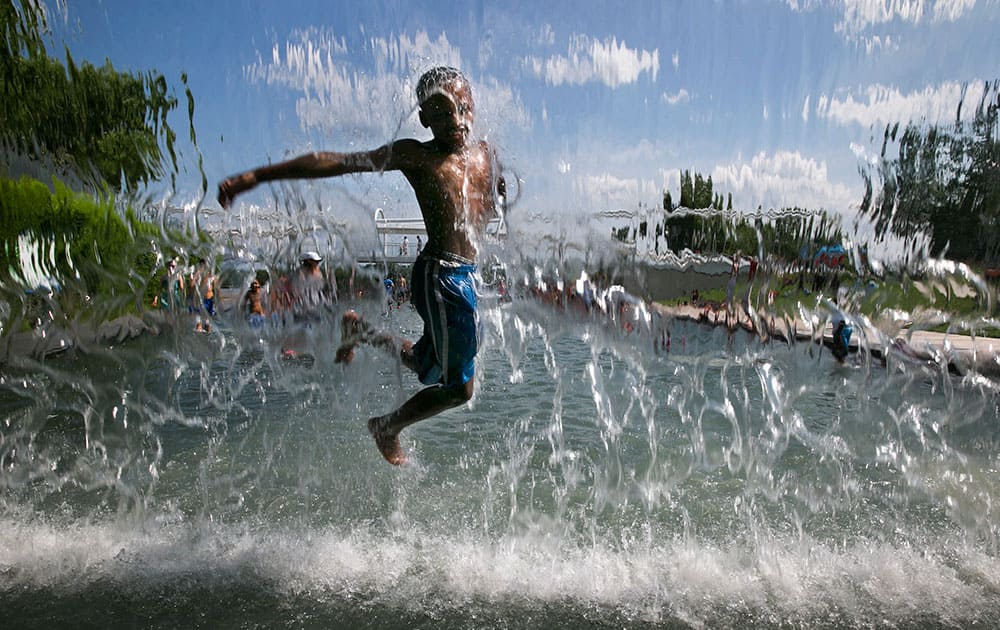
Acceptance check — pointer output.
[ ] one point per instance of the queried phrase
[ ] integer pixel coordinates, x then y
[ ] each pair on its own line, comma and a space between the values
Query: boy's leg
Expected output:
349, 336
354, 330
428, 402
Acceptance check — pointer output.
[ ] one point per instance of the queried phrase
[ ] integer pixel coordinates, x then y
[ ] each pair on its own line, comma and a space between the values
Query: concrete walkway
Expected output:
49, 341
961, 354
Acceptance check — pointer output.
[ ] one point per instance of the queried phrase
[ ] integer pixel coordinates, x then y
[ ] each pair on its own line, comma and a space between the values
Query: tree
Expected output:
702, 192
97, 121
942, 181
687, 190
107, 126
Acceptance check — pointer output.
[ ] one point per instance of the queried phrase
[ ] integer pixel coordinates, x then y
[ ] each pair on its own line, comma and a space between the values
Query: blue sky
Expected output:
595, 105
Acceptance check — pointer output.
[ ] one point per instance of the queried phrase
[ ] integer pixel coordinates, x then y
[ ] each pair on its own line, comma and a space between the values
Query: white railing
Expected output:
392, 232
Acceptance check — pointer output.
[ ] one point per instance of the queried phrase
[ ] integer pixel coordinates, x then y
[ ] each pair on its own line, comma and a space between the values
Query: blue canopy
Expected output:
830, 255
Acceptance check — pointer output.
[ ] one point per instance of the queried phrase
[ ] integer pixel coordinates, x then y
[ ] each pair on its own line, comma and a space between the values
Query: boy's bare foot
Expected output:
345, 353
353, 330
387, 444
352, 325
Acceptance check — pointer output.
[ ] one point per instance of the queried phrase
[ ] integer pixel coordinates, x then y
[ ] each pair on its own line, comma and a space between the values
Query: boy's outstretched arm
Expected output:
308, 166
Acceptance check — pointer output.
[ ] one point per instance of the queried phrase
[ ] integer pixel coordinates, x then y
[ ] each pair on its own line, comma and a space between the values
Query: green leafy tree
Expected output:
22, 24
107, 126
96, 120
713, 230
943, 181
91, 249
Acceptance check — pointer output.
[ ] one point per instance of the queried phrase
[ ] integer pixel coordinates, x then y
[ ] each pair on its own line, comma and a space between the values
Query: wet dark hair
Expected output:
435, 79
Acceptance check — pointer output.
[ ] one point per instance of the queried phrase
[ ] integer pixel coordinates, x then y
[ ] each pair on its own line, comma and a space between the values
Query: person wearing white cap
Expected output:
311, 293
459, 188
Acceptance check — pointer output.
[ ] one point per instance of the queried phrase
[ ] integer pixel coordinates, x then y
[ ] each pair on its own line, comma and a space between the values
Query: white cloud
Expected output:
784, 179
590, 60
335, 95
952, 9
864, 154
682, 96
545, 35
881, 105
877, 42
611, 176
676, 59
497, 106
671, 180
608, 191
859, 18
861, 14
805, 110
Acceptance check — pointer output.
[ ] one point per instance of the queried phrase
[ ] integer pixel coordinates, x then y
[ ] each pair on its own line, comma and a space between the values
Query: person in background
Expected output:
841, 337
201, 295
311, 293
390, 291
171, 292
731, 291
253, 305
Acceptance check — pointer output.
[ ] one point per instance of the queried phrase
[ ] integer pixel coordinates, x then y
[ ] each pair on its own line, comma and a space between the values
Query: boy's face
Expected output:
449, 114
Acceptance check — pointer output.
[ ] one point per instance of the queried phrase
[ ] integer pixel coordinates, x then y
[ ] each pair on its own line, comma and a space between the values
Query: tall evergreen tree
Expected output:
687, 190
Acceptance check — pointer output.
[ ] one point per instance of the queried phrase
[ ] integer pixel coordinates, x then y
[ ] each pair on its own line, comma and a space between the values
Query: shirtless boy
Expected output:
458, 187
253, 306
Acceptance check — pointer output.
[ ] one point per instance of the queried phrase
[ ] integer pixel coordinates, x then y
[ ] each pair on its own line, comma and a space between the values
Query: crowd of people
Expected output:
301, 297
397, 293
193, 289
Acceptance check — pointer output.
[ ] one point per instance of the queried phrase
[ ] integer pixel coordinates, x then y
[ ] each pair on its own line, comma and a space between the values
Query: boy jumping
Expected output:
458, 186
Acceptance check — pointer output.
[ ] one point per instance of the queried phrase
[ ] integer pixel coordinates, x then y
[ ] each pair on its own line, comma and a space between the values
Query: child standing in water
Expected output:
458, 187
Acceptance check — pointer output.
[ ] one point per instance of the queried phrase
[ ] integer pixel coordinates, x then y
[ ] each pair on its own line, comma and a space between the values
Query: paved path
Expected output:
961, 353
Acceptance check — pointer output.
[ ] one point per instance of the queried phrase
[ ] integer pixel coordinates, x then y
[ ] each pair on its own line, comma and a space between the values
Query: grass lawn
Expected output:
877, 297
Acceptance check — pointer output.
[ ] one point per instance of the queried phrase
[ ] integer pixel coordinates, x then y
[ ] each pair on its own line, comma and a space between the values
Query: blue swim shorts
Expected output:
444, 294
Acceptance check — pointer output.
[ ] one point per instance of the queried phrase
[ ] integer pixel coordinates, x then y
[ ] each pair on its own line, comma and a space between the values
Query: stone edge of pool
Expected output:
961, 354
